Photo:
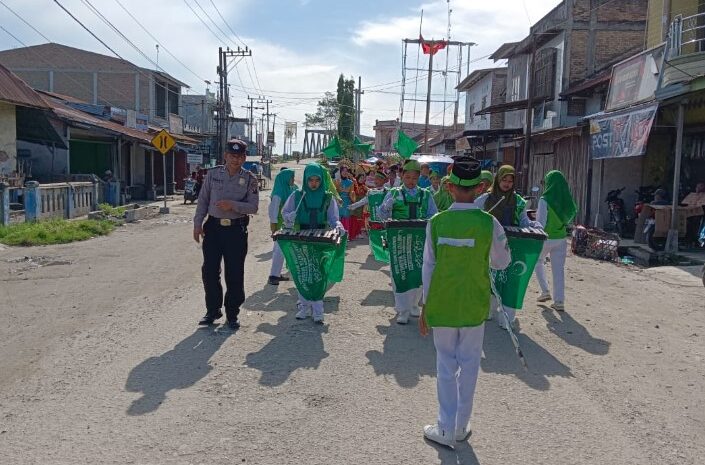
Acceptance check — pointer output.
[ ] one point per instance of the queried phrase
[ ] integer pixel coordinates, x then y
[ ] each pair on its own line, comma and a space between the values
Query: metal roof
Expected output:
13, 90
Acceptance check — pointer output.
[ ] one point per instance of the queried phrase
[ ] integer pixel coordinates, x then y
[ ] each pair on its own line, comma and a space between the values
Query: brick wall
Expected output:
611, 46
75, 84
622, 10
499, 89
117, 89
36, 79
578, 56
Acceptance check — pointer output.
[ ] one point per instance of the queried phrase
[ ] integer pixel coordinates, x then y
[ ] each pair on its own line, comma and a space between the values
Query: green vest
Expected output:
407, 207
375, 197
459, 292
312, 218
555, 228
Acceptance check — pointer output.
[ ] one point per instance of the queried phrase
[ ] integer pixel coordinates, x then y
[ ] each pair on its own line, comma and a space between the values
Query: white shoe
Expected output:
440, 436
304, 311
318, 316
415, 311
558, 306
544, 297
403, 318
463, 434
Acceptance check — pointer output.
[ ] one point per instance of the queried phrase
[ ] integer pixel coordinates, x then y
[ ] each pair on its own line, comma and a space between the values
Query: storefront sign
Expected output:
194, 158
621, 135
635, 80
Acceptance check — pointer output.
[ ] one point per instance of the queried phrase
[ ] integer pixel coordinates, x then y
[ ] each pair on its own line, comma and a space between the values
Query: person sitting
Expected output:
695, 199
660, 198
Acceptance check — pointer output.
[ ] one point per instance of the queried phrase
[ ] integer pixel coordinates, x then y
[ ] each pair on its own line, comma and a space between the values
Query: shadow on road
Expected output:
567, 328
264, 256
405, 354
179, 368
379, 298
295, 344
272, 298
463, 454
500, 358
372, 264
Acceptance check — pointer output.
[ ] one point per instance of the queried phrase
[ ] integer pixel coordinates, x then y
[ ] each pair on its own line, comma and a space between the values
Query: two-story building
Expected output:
562, 59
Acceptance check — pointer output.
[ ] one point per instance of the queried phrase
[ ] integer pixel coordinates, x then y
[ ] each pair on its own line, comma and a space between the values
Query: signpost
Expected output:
163, 142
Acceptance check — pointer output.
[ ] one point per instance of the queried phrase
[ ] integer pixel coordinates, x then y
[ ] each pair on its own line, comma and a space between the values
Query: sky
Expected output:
299, 47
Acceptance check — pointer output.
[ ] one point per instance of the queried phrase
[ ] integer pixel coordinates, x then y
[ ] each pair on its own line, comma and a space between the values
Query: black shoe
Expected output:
283, 278
234, 324
209, 318
273, 280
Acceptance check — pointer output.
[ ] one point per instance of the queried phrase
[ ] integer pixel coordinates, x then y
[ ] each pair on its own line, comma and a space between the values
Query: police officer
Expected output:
228, 195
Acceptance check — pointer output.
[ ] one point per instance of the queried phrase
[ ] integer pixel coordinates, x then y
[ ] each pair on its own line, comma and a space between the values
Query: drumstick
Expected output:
303, 194
496, 205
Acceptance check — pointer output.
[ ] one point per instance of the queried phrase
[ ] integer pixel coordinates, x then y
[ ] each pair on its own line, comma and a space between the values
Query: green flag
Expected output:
405, 245
333, 149
511, 283
361, 146
405, 145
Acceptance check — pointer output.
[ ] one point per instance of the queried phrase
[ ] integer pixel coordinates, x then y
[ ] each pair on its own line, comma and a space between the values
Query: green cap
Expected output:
487, 176
412, 165
465, 172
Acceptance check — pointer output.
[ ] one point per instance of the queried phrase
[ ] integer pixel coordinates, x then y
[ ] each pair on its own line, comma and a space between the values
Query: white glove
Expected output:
339, 226
535, 224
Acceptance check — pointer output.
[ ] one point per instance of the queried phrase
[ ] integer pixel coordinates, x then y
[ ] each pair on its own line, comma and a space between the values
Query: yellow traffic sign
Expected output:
163, 141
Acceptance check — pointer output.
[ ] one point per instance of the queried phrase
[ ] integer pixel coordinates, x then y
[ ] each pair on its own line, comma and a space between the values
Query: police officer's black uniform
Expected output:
225, 238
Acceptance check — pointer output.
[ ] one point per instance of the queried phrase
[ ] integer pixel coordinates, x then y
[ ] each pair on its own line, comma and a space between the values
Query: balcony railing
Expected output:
686, 36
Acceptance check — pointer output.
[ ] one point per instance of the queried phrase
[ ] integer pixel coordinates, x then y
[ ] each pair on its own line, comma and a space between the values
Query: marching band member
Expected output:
457, 304
311, 207
408, 202
556, 210
283, 187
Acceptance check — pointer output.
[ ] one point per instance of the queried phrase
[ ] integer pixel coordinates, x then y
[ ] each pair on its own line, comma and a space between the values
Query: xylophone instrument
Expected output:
331, 236
527, 233
399, 224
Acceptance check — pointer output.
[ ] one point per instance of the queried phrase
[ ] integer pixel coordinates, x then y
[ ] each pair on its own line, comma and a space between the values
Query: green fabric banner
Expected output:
405, 246
512, 282
333, 149
377, 240
314, 266
405, 145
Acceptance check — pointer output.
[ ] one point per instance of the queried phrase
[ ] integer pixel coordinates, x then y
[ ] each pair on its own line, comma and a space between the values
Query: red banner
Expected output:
431, 47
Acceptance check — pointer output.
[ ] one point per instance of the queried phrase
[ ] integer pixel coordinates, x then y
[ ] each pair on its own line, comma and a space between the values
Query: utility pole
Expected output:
358, 102
252, 119
428, 103
529, 117
224, 109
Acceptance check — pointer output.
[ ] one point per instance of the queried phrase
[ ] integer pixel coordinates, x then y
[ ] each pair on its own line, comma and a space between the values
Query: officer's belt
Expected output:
242, 221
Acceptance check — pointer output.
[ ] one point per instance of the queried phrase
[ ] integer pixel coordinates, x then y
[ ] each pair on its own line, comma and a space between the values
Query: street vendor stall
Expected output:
662, 216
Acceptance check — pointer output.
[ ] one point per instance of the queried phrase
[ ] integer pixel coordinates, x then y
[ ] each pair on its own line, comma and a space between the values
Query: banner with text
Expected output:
405, 246
621, 135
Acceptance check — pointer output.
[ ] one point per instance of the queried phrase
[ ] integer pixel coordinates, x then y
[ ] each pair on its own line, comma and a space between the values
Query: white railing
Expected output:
83, 198
686, 35
54, 199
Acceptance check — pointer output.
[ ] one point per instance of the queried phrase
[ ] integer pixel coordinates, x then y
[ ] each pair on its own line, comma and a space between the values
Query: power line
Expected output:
158, 42
86, 29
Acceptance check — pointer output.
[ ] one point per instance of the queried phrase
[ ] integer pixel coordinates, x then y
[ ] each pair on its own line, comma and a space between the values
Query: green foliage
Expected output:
346, 108
110, 211
54, 232
326, 115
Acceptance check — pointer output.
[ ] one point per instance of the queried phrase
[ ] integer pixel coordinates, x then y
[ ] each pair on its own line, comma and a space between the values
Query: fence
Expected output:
58, 200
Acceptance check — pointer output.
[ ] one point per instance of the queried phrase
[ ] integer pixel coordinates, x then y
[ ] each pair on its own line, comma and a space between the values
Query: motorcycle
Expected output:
616, 208
644, 196
191, 190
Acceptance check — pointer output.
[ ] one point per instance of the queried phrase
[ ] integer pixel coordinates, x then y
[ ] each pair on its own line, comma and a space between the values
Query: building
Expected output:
386, 133
570, 51
97, 79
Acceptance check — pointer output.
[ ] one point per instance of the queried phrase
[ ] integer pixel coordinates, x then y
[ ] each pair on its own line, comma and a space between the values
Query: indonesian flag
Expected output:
433, 46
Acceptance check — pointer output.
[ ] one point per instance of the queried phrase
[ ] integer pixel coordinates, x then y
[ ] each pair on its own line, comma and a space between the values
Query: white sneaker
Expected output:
318, 316
403, 317
558, 306
544, 297
304, 311
438, 435
415, 311
463, 434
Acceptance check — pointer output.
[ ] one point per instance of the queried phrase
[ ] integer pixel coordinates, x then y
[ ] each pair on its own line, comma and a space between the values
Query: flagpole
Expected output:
428, 101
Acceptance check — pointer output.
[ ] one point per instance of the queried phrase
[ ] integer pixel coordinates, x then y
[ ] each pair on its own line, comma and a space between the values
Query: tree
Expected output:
326, 115
346, 108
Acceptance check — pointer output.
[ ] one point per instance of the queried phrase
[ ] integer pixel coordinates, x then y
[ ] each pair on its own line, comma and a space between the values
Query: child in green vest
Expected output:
408, 202
456, 304
555, 211
311, 207
380, 180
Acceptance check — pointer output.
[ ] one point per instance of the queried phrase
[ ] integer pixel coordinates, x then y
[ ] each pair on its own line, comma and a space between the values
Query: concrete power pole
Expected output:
224, 109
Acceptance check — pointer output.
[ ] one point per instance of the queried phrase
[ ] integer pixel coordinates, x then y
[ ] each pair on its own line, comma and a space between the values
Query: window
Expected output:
173, 99
160, 99
471, 114
484, 105
545, 73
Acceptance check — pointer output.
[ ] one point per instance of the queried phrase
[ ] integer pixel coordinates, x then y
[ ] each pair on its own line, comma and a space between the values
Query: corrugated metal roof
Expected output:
14, 90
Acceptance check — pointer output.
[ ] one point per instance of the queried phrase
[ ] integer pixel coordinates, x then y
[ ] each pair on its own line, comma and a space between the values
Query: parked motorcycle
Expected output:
644, 196
191, 190
616, 208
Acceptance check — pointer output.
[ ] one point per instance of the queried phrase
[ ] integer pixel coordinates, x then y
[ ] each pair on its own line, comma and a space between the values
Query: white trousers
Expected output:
496, 312
315, 305
557, 249
458, 354
404, 302
277, 261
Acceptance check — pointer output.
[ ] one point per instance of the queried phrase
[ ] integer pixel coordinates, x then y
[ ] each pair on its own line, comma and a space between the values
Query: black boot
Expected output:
273, 280
233, 322
210, 317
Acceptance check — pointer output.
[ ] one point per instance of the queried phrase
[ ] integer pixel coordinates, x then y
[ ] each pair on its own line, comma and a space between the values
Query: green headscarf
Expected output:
282, 184
503, 200
314, 199
443, 198
329, 185
557, 195
487, 176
